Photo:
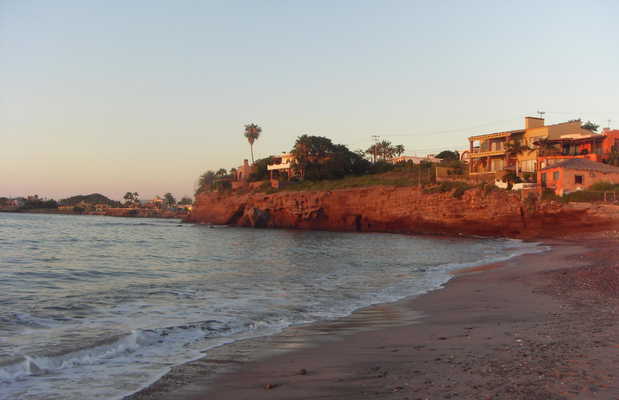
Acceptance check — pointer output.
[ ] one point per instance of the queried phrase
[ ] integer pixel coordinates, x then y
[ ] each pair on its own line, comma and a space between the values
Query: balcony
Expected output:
478, 153
274, 167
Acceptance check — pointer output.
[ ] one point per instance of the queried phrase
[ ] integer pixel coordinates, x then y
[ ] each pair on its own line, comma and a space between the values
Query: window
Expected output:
528, 165
555, 176
578, 179
543, 178
497, 164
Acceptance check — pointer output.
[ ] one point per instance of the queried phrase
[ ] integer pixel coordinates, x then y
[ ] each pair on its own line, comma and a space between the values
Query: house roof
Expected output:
496, 134
515, 131
584, 164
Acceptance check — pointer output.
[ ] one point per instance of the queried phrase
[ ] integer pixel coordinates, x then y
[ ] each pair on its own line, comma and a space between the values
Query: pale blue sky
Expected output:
116, 96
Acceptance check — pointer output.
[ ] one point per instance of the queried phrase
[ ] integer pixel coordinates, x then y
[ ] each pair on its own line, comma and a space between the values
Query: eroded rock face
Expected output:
390, 209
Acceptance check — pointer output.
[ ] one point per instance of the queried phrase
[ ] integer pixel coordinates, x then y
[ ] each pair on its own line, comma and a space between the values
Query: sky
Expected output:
144, 96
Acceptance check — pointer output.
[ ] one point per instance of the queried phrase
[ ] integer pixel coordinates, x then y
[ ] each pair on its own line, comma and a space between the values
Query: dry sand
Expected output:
539, 326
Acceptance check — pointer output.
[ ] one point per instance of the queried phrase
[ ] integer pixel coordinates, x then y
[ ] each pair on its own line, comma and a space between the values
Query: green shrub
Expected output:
458, 188
604, 187
549, 194
584, 196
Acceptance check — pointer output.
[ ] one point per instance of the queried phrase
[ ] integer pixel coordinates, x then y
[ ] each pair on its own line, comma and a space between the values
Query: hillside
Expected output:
94, 198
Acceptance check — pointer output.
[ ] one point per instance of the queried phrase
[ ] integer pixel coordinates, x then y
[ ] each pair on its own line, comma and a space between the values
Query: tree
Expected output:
205, 183
546, 147
252, 133
384, 151
590, 126
260, 169
516, 148
169, 199
221, 173
129, 199
136, 198
448, 155
317, 157
310, 150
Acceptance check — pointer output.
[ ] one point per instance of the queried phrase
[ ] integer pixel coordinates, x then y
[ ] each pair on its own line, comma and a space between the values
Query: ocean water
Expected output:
98, 307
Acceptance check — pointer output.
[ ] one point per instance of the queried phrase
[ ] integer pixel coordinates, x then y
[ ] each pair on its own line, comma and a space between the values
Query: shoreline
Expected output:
215, 374
94, 213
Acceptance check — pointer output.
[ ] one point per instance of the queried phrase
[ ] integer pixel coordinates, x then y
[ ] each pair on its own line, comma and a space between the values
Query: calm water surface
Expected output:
98, 307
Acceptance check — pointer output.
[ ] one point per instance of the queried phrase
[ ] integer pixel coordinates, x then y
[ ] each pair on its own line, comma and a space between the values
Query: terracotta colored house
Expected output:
611, 141
243, 171
576, 174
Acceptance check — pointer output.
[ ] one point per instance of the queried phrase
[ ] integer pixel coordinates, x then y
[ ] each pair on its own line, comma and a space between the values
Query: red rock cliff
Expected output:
391, 209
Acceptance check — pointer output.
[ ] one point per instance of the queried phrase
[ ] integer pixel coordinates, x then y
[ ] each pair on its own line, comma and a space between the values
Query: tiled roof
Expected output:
584, 164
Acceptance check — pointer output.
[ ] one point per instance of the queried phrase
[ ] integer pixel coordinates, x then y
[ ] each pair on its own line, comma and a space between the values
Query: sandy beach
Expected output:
538, 326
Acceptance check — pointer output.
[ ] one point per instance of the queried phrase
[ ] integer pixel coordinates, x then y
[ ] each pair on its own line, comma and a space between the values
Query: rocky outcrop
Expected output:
392, 209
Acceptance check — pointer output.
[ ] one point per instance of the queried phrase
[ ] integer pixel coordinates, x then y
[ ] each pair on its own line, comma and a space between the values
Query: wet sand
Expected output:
539, 326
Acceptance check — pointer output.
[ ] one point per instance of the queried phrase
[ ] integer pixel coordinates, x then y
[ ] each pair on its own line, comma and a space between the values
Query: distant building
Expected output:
281, 166
101, 207
415, 160
576, 174
155, 203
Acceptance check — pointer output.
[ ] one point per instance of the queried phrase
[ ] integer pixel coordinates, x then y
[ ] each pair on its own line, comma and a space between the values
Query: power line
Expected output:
449, 130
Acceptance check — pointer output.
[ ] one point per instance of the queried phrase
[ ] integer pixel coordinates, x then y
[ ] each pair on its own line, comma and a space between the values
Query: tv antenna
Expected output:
541, 113
609, 121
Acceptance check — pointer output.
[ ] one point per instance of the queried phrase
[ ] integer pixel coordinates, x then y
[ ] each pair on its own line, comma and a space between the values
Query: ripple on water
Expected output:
104, 306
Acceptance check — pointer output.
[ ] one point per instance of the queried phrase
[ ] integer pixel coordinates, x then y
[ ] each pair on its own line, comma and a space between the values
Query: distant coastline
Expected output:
121, 212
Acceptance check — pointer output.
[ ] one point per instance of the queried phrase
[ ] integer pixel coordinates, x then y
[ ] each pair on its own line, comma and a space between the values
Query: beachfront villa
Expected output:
494, 153
575, 174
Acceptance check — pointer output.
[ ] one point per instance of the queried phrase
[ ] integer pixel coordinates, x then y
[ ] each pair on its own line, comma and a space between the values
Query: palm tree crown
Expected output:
252, 133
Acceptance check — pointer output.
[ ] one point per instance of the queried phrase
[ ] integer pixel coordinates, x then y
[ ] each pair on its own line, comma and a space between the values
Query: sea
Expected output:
100, 307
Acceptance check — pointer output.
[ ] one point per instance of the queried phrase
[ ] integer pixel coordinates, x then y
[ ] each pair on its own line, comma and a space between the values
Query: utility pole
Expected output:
541, 113
375, 140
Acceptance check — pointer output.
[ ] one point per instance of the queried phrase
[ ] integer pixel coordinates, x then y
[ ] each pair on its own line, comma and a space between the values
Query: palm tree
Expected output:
515, 148
372, 151
547, 147
399, 150
252, 133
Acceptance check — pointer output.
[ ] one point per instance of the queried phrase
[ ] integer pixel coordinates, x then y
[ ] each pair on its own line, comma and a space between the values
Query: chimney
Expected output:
246, 163
533, 122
